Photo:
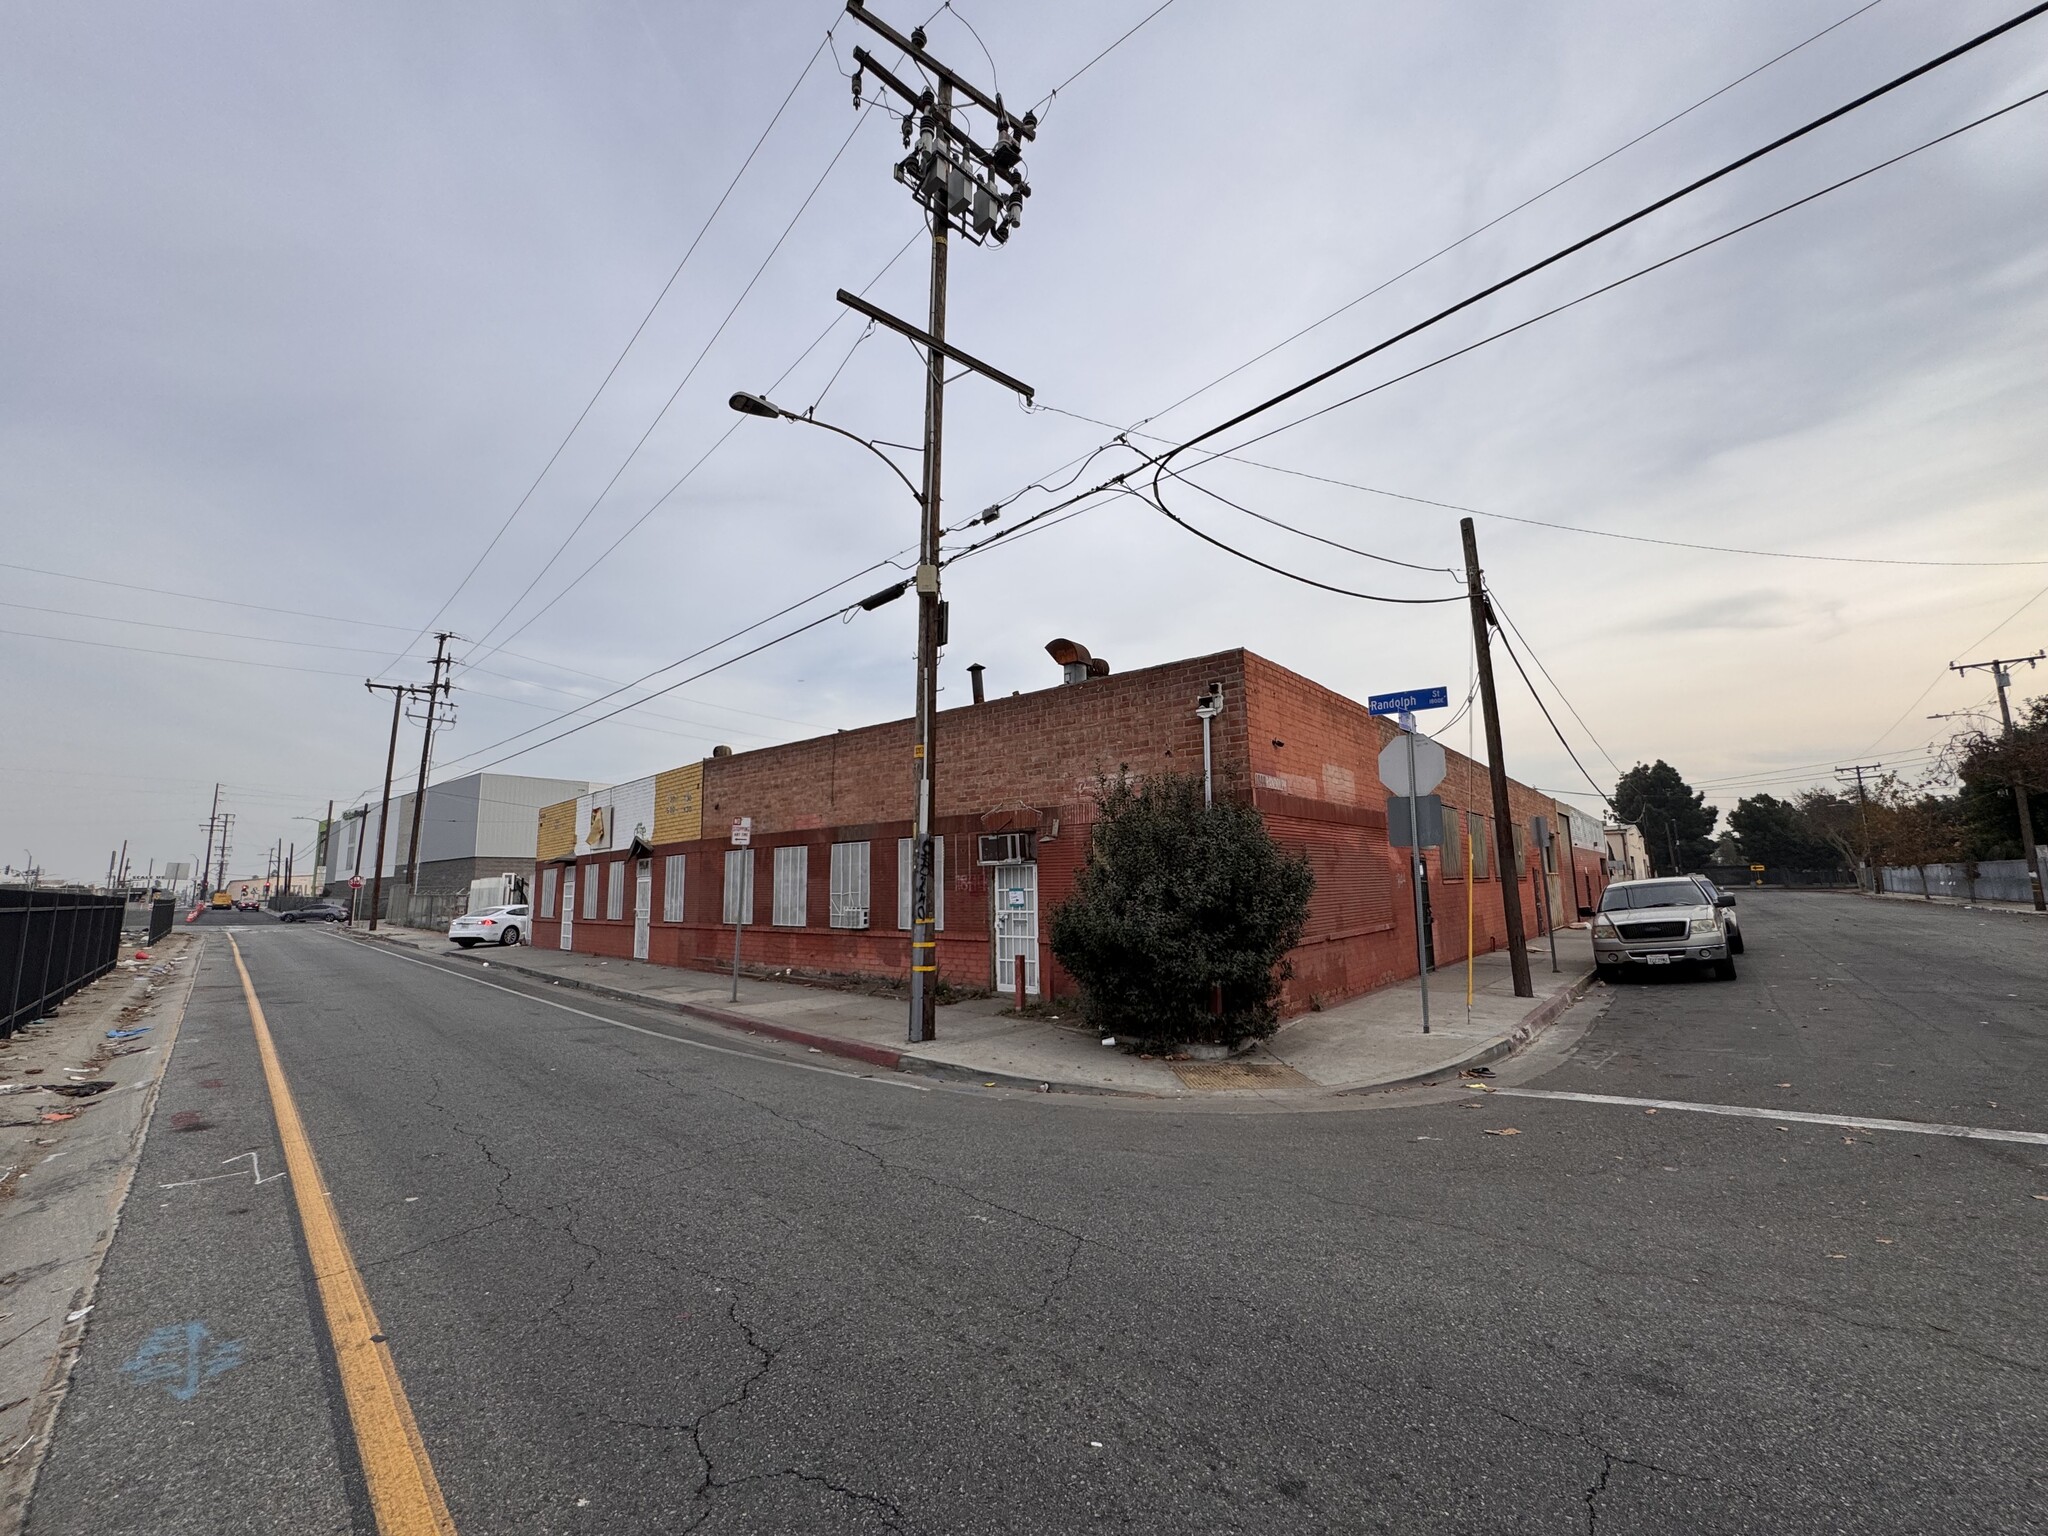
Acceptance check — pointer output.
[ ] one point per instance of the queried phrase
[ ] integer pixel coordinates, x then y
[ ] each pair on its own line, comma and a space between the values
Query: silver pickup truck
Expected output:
1666, 922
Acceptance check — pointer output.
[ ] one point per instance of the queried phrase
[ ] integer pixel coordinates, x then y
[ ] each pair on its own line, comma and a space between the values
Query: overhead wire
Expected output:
1499, 607
611, 372
1608, 230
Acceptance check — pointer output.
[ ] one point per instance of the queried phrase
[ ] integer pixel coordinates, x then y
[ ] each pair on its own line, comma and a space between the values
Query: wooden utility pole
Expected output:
1506, 871
435, 691
399, 692
2001, 674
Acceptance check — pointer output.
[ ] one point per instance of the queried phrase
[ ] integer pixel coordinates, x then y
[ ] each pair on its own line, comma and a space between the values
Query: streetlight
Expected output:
759, 405
931, 628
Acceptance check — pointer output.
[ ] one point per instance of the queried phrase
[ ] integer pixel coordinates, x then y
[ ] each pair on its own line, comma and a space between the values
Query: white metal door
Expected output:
1013, 894
568, 904
643, 906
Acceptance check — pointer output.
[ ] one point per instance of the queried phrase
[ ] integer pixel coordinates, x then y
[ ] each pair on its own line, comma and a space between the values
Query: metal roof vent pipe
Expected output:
974, 671
1075, 662
721, 751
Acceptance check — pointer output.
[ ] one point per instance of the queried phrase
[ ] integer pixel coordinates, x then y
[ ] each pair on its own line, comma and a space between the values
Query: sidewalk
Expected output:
1375, 1041
1980, 904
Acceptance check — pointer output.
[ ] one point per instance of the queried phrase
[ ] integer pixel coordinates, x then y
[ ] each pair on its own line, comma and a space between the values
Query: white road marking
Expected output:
1804, 1117
255, 1169
639, 1029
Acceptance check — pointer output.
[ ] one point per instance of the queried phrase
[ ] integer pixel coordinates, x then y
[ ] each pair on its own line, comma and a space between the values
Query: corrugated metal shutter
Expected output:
1354, 881
739, 885
615, 889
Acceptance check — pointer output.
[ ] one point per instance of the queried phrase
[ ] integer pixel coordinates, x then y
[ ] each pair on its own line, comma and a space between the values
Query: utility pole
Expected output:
399, 692
206, 864
227, 825
980, 192
1509, 876
435, 690
1863, 812
2000, 670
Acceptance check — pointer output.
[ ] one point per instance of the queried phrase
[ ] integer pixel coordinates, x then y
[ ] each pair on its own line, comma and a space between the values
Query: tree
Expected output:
1775, 833
1840, 822
1677, 822
1913, 828
1987, 766
1176, 899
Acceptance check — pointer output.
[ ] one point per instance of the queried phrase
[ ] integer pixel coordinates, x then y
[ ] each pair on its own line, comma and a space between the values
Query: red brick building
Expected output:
823, 885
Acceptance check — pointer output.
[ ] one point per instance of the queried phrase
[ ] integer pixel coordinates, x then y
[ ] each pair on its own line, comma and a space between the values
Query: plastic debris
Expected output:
1109, 1039
128, 1034
80, 1090
72, 1317
52, 1116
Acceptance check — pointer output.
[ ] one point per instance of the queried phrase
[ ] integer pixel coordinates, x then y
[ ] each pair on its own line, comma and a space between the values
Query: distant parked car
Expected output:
318, 912
493, 925
1665, 922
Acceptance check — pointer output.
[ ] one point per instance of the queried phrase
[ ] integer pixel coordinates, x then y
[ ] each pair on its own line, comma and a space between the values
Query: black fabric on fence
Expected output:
51, 944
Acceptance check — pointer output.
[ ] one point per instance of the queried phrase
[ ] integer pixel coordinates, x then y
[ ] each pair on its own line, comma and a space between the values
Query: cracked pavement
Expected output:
644, 1278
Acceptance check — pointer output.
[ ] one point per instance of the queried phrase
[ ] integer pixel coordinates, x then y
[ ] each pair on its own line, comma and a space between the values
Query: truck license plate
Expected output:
1657, 959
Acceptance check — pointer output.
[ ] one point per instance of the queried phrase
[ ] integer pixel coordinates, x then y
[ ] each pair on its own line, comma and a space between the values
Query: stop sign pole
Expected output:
1403, 706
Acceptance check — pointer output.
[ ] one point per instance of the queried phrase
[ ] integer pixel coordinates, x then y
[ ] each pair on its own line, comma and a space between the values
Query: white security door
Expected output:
568, 904
1013, 894
643, 906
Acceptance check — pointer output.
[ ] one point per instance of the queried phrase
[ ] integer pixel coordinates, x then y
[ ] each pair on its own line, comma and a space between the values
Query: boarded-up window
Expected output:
615, 889
739, 885
1354, 891
849, 885
672, 888
1521, 840
590, 891
938, 882
549, 882
1452, 858
1480, 861
792, 876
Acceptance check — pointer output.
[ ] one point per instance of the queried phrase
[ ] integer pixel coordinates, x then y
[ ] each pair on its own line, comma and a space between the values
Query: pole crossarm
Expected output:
927, 340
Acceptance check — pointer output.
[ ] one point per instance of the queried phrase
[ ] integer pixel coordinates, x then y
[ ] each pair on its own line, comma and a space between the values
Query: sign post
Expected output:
1403, 770
1544, 839
742, 837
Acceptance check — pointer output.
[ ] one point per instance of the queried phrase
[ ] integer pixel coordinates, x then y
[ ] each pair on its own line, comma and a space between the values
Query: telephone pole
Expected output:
980, 192
1510, 877
399, 692
227, 825
2001, 673
436, 690
206, 864
1863, 811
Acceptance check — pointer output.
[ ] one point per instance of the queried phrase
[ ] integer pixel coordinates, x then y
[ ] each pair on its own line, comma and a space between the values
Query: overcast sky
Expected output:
299, 300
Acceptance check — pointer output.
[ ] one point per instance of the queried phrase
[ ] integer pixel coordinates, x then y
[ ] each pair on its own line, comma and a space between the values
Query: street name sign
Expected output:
1414, 698
1428, 757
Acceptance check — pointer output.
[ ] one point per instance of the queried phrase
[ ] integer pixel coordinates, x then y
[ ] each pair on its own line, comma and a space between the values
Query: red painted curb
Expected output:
831, 1045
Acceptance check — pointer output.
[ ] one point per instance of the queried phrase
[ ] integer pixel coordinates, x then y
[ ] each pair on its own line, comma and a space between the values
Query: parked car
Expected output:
318, 912
493, 925
1674, 921
1726, 903
248, 906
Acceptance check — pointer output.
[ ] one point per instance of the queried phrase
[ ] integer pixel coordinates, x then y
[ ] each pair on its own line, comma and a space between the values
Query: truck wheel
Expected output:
1724, 970
1735, 942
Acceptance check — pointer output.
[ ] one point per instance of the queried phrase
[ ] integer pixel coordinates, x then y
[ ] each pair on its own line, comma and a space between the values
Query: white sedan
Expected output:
493, 925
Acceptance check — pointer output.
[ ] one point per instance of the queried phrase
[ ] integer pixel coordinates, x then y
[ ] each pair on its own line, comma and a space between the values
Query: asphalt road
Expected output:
640, 1277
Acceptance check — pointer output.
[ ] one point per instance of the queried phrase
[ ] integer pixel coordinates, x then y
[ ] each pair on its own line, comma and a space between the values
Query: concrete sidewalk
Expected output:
1375, 1041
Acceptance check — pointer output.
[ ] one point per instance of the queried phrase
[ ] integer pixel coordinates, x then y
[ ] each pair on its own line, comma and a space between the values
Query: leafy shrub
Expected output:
1175, 899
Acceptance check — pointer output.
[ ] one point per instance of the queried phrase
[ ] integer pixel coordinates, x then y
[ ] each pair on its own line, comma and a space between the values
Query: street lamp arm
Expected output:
757, 405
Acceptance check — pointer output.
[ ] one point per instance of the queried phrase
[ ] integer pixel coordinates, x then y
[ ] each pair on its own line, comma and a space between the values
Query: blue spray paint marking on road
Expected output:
182, 1357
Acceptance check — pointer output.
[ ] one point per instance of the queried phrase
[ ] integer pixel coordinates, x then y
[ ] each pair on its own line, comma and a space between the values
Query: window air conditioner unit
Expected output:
1007, 848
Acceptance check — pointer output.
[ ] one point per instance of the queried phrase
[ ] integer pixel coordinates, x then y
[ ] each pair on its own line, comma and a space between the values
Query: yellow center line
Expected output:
404, 1493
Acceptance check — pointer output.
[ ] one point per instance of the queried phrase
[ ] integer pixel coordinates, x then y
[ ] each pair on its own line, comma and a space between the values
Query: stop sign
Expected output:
1429, 764
355, 882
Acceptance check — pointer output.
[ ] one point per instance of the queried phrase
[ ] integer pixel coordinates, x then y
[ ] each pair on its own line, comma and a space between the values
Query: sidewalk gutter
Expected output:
832, 1045
1533, 1023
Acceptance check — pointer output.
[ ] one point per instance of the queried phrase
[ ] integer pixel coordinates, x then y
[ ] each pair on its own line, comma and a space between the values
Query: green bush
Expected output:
1175, 899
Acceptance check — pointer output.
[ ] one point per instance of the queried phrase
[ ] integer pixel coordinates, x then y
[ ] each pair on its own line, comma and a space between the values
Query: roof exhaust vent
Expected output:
1075, 661
721, 751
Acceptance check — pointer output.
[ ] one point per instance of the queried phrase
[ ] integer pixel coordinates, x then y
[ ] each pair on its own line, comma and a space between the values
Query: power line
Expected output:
1501, 609
689, 374
687, 474
1610, 229
1594, 293
197, 597
802, 75
1973, 645
1498, 218
150, 650
1591, 782
1046, 100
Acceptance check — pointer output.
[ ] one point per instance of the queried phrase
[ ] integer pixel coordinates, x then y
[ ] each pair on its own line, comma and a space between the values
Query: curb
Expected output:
831, 1045
1533, 1023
